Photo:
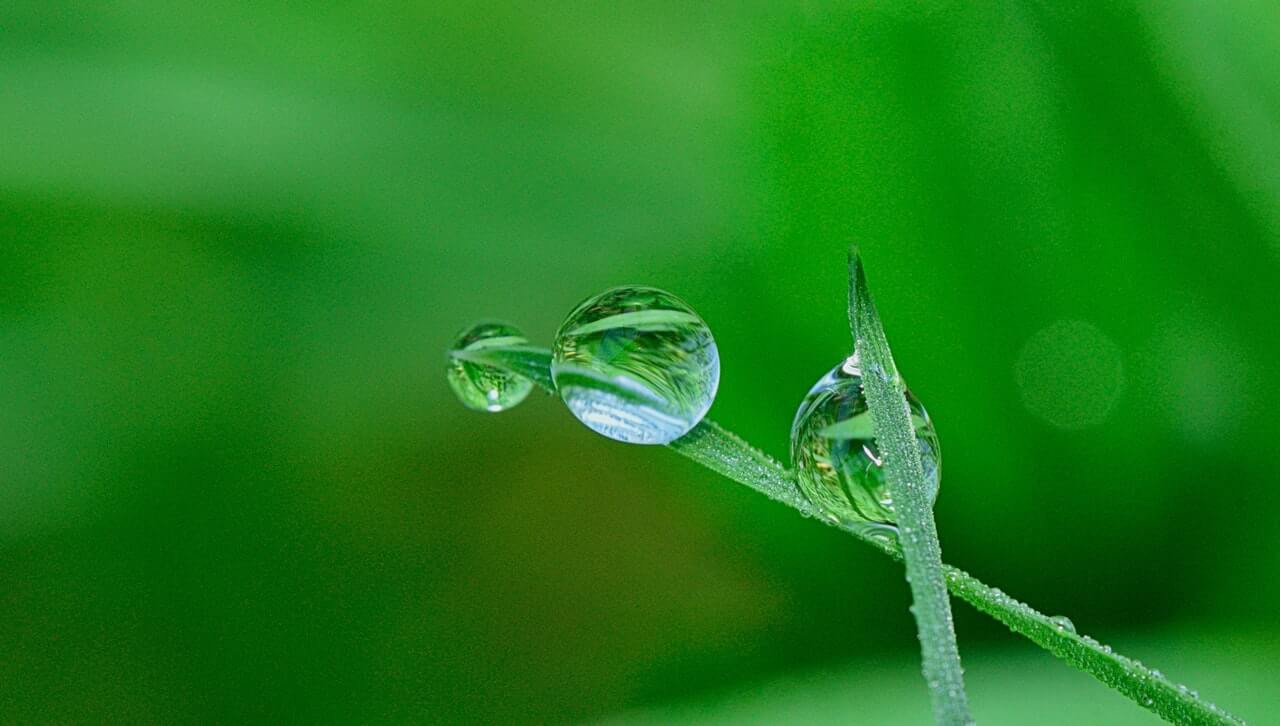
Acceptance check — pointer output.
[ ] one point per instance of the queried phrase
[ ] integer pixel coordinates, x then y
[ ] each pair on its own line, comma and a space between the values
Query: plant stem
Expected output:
725, 453
912, 505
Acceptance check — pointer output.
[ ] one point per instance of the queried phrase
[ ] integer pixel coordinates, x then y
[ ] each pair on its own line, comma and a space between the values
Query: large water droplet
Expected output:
483, 387
838, 465
1063, 624
636, 364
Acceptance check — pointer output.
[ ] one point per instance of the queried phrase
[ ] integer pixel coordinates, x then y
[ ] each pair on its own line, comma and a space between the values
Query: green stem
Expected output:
725, 453
912, 505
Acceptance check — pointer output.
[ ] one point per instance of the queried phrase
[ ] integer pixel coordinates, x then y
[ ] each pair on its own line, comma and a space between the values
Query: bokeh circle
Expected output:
1070, 374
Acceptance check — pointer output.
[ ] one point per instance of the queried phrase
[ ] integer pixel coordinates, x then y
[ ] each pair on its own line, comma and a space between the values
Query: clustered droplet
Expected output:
636, 364
1063, 624
482, 387
833, 448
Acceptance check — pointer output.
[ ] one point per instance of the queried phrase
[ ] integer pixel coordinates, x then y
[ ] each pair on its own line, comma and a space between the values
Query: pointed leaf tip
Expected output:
855, 281
861, 309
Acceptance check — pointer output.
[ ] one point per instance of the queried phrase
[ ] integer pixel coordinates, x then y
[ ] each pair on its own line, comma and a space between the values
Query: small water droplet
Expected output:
636, 364
483, 387
886, 534
1148, 701
838, 465
1063, 624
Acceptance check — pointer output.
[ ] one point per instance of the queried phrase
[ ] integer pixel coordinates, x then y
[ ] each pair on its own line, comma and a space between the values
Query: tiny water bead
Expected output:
483, 387
636, 364
838, 465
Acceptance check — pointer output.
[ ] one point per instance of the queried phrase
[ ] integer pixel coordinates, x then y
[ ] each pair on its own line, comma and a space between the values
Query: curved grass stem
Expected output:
725, 453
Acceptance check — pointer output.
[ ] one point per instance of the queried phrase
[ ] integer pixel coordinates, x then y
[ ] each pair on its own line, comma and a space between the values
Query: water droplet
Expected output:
884, 533
838, 465
483, 387
636, 364
1063, 624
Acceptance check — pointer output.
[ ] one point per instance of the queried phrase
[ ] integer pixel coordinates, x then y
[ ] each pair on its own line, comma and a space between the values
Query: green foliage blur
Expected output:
236, 240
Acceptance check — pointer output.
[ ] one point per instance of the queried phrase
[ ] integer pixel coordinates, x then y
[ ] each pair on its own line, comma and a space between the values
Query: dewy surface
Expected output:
725, 453
838, 464
905, 473
636, 364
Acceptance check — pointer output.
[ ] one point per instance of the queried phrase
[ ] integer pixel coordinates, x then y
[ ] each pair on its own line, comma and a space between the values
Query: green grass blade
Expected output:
727, 454
904, 474
1145, 686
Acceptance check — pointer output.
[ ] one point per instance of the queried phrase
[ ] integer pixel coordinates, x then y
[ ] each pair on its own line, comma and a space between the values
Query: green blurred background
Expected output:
236, 240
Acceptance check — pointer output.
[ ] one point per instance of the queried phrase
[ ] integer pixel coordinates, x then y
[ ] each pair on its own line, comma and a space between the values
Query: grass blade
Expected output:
727, 454
904, 474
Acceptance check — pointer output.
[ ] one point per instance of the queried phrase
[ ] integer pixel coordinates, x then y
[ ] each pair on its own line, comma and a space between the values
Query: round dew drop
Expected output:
838, 465
636, 364
483, 387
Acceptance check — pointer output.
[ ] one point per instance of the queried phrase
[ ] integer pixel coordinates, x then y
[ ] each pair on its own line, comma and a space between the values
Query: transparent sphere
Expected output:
483, 387
636, 364
833, 448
